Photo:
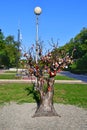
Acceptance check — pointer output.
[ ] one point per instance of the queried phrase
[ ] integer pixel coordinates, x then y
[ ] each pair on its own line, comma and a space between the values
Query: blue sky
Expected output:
60, 19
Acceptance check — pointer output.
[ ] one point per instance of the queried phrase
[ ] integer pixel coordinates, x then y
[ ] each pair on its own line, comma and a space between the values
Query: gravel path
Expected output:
19, 117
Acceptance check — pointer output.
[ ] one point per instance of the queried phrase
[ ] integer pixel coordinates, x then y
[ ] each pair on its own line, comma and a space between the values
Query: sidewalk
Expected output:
31, 81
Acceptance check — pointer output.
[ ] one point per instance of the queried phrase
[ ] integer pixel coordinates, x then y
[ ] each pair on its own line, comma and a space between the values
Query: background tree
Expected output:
9, 51
2, 50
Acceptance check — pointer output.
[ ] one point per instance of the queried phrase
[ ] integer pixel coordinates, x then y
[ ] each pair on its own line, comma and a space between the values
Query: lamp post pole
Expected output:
36, 39
37, 12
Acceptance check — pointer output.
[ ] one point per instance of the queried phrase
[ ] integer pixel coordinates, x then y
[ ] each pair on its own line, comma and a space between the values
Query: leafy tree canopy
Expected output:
9, 51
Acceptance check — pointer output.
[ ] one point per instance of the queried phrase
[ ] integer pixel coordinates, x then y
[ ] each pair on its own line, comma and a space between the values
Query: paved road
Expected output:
76, 76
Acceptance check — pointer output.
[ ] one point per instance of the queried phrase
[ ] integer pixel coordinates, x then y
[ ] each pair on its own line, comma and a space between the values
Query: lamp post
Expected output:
37, 12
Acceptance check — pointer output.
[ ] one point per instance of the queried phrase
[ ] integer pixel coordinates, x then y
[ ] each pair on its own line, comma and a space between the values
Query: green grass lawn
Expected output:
7, 76
13, 76
62, 77
75, 94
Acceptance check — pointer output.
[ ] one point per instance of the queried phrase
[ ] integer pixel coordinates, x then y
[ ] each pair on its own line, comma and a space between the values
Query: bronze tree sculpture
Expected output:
48, 64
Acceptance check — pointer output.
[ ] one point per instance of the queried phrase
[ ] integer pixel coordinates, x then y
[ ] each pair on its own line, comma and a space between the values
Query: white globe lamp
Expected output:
37, 10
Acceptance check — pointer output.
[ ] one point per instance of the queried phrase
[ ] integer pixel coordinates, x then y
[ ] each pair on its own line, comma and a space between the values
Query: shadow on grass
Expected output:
34, 93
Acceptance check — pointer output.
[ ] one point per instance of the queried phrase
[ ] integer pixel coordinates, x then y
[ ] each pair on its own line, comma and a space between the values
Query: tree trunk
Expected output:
46, 107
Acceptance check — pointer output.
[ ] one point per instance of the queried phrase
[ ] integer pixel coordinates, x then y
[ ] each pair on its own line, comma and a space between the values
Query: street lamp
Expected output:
37, 12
